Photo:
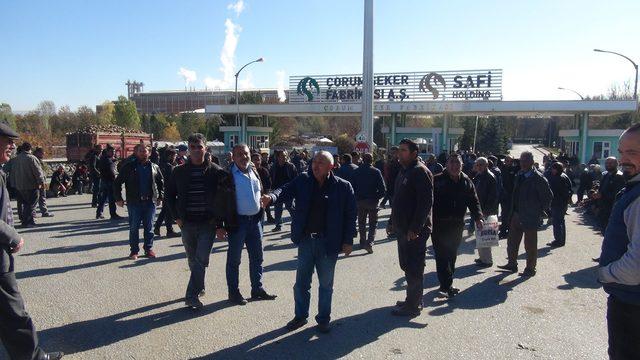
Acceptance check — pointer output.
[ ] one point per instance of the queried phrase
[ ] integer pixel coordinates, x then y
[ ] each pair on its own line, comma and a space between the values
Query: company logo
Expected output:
306, 86
425, 84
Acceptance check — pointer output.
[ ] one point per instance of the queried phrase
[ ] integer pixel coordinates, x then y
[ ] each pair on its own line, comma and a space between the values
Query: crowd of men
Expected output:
332, 200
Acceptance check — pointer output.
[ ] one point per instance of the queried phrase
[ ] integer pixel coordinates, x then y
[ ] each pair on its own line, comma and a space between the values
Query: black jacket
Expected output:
561, 189
346, 171
413, 199
487, 191
290, 174
367, 183
610, 185
178, 187
107, 168
9, 238
129, 176
451, 199
586, 180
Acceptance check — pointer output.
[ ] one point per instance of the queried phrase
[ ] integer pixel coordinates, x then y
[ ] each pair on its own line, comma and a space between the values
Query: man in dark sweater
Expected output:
368, 186
166, 166
561, 188
347, 168
190, 196
411, 216
453, 194
619, 270
612, 182
282, 172
107, 168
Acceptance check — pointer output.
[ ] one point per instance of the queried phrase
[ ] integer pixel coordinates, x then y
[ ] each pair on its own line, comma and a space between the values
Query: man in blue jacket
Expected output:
619, 270
368, 186
322, 226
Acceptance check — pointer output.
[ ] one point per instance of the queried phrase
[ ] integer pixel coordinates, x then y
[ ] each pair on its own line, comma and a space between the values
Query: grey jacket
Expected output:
531, 195
26, 172
9, 238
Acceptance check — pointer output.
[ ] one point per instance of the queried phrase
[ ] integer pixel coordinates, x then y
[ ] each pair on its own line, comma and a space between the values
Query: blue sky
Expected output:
77, 52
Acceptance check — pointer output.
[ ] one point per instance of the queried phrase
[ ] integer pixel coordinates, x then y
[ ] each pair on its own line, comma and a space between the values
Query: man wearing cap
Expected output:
17, 332
27, 177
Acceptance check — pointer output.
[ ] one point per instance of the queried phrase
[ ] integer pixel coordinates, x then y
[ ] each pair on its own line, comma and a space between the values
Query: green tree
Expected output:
171, 133
125, 114
45, 110
492, 138
105, 114
344, 143
7, 116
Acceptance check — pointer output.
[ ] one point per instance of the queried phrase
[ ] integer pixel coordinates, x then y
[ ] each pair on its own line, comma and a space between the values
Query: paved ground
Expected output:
89, 301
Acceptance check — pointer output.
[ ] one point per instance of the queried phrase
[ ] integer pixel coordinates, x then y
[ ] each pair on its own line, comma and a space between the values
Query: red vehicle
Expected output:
80, 142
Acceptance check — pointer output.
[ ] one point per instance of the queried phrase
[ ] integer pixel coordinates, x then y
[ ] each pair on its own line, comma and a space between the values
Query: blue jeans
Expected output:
106, 194
313, 253
249, 232
559, 227
277, 210
197, 239
141, 212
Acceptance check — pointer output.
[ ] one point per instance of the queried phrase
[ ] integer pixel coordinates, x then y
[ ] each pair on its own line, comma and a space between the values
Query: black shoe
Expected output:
277, 228
47, 214
237, 298
100, 216
194, 304
156, 232
555, 243
173, 234
406, 311
202, 293
28, 225
324, 327
262, 295
369, 249
450, 292
528, 272
595, 259
481, 264
508, 267
296, 323
116, 217
54, 355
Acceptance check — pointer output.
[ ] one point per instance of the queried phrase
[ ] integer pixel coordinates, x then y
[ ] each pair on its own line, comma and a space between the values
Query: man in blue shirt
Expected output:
243, 224
145, 187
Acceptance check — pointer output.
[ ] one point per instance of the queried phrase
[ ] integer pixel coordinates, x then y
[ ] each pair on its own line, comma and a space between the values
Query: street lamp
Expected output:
635, 66
237, 97
573, 91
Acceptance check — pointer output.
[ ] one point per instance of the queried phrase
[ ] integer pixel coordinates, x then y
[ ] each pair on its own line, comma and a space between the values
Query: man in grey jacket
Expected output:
27, 178
17, 332
531, 196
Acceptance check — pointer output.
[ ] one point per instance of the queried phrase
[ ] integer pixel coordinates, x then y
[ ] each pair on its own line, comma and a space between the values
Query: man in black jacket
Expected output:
265, 178
368, 186
166, 167
17, 332
190, 195
92, 158
487, 189
508, 173
282, 172
453, 193
107, 168
586, 181
347, 168
411, 216
561, 188
145, 188
612, 182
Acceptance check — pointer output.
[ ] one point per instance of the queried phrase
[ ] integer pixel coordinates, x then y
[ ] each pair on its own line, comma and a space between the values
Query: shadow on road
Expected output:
64, 269
584, 279
91, 334
347, 335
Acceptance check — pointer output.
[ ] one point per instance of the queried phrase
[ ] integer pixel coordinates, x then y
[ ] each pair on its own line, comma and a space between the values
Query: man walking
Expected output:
368, 186
94, 174
411, 216
531, 196
42, 193
17, 332
323, 225
166, 167
619, 270
347, 168
107, 168
453, 193
240, 196
145, 189
27, 178
486, 187
190, 195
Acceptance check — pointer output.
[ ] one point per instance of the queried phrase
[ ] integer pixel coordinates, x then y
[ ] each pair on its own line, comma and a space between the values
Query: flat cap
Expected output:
5, 130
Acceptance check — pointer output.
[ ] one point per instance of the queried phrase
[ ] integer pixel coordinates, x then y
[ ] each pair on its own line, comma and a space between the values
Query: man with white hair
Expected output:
487, 190
322, 226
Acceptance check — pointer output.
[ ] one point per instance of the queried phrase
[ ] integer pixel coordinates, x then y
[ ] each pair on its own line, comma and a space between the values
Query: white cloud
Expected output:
189, 76
238, 7
280, 74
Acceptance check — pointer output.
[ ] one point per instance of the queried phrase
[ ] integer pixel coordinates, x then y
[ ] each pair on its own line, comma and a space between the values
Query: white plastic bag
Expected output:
488, 235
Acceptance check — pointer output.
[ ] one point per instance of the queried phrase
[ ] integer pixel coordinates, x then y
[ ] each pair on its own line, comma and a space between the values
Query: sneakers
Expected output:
296, 323
150, 254
133, 256
194, 304
509, 268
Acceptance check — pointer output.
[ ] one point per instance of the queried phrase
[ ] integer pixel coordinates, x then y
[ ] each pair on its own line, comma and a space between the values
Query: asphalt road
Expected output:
89, 301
